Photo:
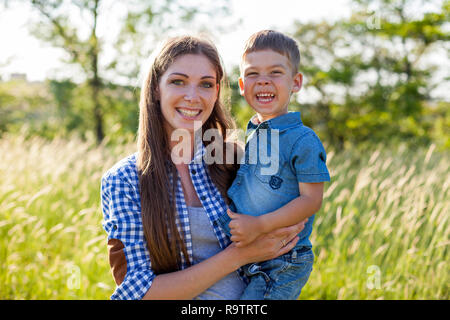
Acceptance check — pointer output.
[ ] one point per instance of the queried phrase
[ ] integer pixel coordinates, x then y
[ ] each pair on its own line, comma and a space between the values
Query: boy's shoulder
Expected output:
299, 134
299, 131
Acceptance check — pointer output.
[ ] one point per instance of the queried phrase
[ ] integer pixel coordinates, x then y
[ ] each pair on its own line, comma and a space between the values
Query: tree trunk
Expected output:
95, 82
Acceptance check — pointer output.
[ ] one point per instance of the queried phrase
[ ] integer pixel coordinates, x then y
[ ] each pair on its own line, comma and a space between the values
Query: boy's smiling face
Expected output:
267, 82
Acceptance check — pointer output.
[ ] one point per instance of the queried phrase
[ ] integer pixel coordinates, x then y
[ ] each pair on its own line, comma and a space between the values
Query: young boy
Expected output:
264, 196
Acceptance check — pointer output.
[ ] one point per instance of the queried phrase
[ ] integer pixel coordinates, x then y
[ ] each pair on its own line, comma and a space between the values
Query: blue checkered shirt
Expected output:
121, 208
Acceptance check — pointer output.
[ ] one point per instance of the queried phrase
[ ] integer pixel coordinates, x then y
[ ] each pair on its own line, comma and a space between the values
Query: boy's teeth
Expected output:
189, 113
265, 97
271, 95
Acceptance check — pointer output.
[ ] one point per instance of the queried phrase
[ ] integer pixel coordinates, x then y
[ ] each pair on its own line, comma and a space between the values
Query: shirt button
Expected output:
321, 156
193, 171
203, 198
115, 227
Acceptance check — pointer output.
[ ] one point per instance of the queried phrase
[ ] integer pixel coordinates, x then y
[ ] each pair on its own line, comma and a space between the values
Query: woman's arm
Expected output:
190, 282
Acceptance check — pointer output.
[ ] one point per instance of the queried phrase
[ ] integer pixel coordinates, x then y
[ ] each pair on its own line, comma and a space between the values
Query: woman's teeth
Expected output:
189, 113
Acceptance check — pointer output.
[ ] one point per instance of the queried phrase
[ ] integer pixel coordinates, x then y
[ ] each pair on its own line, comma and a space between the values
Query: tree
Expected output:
370, 75
87, 51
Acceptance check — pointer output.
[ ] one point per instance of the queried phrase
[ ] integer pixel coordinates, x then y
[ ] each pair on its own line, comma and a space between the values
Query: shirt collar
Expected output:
283, 122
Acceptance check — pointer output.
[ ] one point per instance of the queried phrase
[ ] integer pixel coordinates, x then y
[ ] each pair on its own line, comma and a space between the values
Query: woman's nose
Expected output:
191, 94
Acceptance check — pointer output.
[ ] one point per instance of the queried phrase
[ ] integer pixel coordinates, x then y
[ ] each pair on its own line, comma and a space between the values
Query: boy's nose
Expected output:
263, 80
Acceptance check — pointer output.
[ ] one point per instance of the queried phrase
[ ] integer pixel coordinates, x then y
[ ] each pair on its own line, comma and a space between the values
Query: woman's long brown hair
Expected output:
155, 168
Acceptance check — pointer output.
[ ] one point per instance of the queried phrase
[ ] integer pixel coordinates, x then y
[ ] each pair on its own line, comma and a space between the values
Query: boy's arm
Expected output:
300, 208
245, 228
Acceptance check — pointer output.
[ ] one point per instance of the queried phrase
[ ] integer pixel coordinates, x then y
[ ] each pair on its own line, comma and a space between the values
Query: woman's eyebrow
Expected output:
186, 76
179, 74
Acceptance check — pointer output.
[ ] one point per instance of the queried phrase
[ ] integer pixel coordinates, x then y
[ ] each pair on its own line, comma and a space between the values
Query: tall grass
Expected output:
382, 232
52, 245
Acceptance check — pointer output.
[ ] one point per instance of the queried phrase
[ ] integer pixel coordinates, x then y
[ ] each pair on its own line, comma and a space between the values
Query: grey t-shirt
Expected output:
205, 245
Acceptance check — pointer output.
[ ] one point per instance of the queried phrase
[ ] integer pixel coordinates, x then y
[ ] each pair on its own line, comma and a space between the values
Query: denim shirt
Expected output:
279, 153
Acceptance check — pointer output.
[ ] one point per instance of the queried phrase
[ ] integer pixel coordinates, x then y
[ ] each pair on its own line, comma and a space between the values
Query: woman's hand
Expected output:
270, 245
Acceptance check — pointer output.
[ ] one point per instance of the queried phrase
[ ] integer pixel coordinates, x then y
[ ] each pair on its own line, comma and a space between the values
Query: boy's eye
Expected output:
250, 74
276, 72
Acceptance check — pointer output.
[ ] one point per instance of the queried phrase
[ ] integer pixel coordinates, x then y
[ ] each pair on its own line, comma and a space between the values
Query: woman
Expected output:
159, 212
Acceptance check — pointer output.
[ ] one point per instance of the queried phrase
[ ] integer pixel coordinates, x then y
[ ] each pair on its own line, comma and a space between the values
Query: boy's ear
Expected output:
217, 90
298, 81
241, 86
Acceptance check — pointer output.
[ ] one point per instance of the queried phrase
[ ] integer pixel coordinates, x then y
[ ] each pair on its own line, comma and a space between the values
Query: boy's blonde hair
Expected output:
276, 41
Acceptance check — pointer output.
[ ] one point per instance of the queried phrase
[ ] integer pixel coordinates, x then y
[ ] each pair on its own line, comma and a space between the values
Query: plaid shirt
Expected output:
121, 208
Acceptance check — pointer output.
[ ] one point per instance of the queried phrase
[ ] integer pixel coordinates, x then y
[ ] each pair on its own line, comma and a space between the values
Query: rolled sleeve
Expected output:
128, 253
308, 159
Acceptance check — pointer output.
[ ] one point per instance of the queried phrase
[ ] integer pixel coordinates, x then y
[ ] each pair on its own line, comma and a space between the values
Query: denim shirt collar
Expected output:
283, 122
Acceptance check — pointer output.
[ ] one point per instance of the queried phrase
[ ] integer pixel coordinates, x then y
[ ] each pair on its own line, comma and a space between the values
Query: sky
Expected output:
22, 53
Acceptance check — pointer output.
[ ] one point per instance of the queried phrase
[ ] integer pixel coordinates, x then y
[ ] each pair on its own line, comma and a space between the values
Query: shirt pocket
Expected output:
282, 182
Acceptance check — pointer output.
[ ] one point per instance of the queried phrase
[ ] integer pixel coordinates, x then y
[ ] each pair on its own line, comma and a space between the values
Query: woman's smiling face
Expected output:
188, 91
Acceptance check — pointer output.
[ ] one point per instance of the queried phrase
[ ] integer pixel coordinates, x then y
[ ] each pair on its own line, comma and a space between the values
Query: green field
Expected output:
382, 233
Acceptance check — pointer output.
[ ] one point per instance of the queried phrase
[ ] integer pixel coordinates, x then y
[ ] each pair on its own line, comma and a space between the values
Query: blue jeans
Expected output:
281, 278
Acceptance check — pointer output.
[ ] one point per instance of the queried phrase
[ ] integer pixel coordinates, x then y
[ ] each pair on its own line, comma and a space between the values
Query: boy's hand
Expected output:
244, 228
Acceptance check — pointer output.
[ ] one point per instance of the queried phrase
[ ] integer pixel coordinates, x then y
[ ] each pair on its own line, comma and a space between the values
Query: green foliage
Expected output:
122, 118
145, 21
370, 76
6, 114
22, 105
240, 110
62, 109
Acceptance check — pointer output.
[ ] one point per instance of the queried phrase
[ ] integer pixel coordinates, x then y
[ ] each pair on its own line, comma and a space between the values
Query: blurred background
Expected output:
376, 91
